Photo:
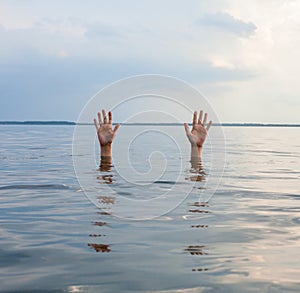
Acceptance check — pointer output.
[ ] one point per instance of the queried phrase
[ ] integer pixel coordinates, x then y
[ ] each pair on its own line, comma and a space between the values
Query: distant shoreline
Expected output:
146, 124
37, 123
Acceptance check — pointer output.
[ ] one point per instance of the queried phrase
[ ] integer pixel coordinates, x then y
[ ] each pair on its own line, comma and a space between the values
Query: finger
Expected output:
187, 129
205, 118
209, 125
96, 124
99, 119
110, 117
104, 116
200, 117
195, 118
116, 128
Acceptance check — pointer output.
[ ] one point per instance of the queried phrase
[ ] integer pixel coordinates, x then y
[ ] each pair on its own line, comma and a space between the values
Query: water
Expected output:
245, 239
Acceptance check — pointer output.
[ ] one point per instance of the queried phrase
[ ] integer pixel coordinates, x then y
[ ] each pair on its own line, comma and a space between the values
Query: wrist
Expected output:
196, 151
106, 150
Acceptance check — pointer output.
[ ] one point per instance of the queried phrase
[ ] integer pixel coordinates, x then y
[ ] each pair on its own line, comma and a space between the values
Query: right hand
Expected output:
105, 132
199, 132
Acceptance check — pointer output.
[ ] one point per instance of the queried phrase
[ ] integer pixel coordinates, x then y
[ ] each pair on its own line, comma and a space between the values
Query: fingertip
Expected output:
205, 118
110, 117
95, 123
200, 117
195, 117
116, 128
187, 128
209, 125
104, 116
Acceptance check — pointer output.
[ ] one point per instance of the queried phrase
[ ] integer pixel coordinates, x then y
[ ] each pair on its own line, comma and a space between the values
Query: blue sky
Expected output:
242, 55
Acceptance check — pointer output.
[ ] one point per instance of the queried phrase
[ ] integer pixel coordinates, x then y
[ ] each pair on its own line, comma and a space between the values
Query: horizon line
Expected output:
65, 122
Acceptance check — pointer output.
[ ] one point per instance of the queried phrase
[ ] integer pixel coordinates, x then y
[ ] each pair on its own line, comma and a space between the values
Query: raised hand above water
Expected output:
105, 132
197, 135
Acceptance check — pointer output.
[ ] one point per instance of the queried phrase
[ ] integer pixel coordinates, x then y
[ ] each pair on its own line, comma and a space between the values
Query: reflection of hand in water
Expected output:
197, 169
105, 164
196, 173
100, 247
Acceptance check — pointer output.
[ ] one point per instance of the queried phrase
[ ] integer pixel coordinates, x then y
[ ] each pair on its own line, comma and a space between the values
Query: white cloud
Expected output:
225, 21
219, 62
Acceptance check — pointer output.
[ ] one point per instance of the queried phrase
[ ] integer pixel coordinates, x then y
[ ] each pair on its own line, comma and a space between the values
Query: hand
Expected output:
105, 132
198, 134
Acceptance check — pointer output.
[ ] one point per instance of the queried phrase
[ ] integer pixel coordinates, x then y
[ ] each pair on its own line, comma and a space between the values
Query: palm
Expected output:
105, 134
198, 135
199, 131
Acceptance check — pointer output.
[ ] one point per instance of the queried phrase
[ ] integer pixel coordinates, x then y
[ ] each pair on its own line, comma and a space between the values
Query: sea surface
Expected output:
152, 221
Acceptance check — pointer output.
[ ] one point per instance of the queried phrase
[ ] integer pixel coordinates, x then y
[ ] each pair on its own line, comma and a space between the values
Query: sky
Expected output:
243, 56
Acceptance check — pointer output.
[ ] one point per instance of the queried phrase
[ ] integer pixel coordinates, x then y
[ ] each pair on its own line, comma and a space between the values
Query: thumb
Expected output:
116, 128
187, 129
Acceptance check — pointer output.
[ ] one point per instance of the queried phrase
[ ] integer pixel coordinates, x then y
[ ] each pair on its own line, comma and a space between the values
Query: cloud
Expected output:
226, 22
219, 62
80, 27
48, 87
58, 63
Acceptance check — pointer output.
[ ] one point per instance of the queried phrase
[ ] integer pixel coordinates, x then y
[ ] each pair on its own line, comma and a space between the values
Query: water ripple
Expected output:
35, 186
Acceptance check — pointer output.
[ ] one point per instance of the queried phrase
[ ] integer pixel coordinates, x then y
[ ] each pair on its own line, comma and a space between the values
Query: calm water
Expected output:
245, 239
